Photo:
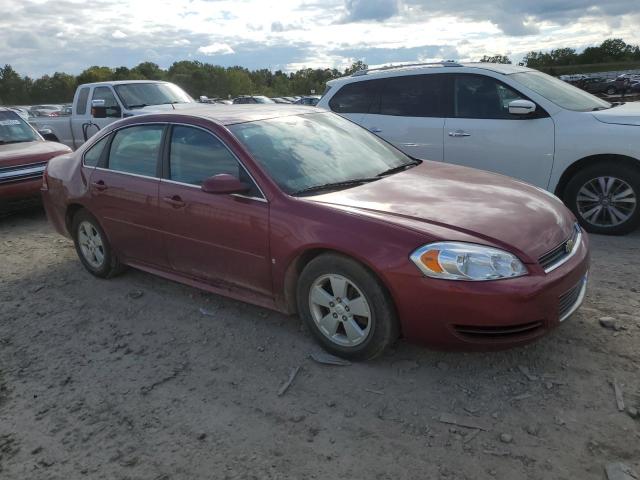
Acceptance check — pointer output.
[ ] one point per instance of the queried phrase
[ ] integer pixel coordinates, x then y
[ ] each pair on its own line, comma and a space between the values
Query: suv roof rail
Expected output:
444, 63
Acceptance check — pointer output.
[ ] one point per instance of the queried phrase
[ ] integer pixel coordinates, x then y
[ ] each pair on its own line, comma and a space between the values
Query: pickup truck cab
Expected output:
96, 105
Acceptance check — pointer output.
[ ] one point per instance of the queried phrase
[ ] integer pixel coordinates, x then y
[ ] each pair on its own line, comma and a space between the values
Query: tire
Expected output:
611, 91
92, 246
364, 304
596, 196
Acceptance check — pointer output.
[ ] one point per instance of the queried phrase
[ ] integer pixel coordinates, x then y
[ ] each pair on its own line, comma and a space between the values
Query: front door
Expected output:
124, 194
217, 238
482, 134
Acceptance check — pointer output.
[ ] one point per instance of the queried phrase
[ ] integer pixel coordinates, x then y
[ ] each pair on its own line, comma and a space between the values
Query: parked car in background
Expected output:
598, 85
96, 105
252, 99
634, 87
45, 110
511, 120
23, 157
274, 205
310, 100
281, 100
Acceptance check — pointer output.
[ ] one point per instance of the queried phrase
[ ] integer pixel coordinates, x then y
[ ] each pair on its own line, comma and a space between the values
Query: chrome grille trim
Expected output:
562, 253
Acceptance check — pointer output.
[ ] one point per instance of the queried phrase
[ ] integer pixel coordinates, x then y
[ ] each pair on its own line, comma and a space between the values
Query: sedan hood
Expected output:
627, 114
448, 202
25, 153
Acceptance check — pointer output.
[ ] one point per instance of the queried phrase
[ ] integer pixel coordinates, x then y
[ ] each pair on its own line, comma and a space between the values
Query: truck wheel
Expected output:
346, 307
604, 198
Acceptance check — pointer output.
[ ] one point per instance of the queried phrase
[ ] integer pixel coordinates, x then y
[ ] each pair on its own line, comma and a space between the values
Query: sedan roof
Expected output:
231, 114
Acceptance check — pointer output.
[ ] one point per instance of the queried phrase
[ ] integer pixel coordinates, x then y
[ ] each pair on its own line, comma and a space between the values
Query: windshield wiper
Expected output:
5, 142
141, 105
336, 185
401, 168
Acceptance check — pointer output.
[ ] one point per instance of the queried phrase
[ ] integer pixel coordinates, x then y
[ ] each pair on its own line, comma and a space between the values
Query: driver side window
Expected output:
196, 155
110, 102
477, 96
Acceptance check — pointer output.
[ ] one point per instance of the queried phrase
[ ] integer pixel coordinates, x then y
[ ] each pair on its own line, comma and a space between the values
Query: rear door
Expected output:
124, 193
217, 238
482, 134
80, 116
409, 113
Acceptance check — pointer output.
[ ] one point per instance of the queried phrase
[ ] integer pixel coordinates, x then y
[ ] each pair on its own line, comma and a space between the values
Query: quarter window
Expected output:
136, 150
357, 97
92, 156
81, 105
477, 96
412, 96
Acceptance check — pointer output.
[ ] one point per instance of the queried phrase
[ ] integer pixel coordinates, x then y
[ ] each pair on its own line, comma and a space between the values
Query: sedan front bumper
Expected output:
489, 315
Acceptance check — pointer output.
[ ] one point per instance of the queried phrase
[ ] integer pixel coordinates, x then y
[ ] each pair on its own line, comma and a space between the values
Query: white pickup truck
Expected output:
114, 100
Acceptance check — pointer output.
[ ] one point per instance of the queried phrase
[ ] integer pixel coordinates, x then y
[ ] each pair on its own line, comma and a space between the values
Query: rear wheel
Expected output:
346, 307
604, 198
92, 246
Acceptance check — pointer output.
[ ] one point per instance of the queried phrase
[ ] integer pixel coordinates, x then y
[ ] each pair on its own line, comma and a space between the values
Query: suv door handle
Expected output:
459, 133
99, 185
174, 201
375, 130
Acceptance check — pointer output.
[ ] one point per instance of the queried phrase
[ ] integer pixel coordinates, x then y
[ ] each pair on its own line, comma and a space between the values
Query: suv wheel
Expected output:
346, 308
604, 198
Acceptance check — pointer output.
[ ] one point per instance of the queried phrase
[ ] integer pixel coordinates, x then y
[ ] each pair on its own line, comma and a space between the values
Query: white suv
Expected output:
511, 120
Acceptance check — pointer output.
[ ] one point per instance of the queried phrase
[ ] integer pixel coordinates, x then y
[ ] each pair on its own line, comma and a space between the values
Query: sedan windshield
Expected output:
13, 129
319, 151
559, 92
139, 95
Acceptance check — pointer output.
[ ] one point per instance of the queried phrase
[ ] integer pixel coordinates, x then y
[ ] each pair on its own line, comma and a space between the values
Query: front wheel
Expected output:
346, 307
604, 198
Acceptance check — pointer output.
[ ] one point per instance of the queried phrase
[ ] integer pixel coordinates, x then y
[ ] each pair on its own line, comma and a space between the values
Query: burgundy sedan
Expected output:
303, 211
23, 157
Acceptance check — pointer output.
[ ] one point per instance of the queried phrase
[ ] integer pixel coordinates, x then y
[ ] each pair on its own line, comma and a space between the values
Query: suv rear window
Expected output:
354, 97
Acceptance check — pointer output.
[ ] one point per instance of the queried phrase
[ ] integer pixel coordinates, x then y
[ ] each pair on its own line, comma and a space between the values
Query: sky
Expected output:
45, 36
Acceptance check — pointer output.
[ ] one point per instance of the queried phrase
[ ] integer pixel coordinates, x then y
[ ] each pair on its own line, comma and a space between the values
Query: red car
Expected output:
303, 211
23, 157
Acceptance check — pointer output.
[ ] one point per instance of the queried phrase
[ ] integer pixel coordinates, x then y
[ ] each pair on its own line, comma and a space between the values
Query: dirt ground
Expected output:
128, 379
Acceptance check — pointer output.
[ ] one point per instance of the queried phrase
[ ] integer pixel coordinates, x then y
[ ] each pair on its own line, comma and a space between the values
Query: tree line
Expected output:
194, 77
199, 78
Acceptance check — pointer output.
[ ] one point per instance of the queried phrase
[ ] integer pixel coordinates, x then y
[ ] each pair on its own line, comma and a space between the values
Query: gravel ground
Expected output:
129, 379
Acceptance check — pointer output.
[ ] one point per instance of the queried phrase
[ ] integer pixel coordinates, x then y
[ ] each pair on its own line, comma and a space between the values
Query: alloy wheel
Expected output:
606, 201
340, 310
91, 244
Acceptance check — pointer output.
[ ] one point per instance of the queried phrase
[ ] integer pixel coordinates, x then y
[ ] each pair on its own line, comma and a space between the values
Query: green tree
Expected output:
495, 59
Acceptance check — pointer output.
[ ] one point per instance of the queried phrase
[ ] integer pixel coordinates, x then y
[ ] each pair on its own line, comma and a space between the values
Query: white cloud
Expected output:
118, 34
216, 49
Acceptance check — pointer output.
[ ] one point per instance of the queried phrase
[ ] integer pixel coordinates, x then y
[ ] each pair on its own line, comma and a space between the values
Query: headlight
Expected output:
466, 261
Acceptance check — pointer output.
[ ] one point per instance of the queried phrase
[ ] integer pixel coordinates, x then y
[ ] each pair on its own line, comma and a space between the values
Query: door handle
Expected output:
459, 133
375, 130
99, 185
174, 201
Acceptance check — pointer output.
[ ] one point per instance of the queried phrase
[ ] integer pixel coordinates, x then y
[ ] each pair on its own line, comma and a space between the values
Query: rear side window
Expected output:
357, 97
413, 96
92, 156
136, 150
81, 106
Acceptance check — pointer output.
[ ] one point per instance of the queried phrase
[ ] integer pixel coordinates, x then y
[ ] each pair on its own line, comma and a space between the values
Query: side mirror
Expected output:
224, 183
98, 110
521, 107
48, 134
